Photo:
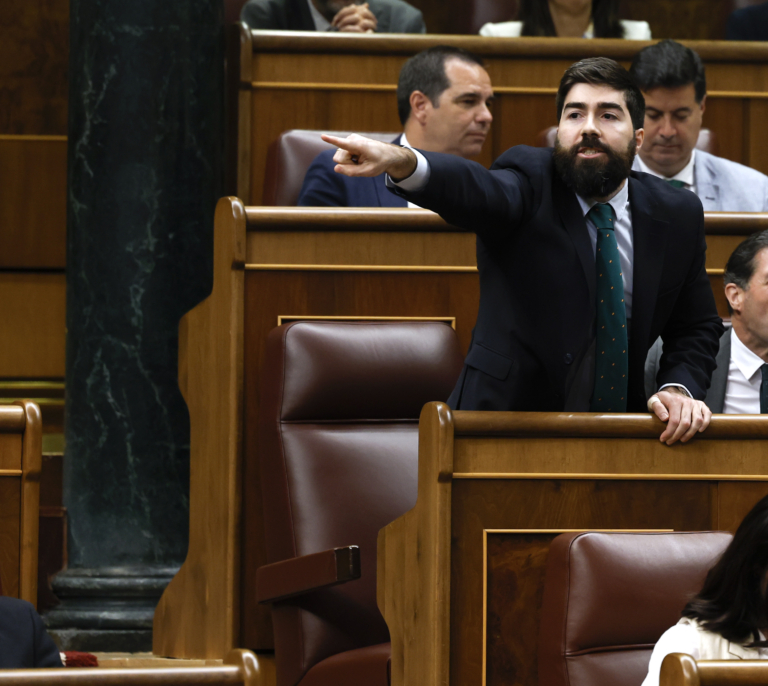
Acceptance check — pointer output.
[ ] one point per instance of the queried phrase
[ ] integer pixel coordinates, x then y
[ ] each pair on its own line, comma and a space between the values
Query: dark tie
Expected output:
676, 183
611, 359
764, 390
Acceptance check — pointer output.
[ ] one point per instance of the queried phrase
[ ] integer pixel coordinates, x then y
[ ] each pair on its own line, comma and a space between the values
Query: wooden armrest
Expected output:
299, 575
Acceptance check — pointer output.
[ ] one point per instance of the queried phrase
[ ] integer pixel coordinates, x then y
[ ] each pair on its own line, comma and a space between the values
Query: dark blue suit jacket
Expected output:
748, 23
323, 187
24, 641
533, 344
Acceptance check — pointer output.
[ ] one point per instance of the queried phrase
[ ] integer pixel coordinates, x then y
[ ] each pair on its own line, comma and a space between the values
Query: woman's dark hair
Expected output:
732, 602
537, 20
603, 71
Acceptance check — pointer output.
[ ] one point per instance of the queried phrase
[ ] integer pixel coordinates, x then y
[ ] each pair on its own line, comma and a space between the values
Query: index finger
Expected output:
343, 143
343, 12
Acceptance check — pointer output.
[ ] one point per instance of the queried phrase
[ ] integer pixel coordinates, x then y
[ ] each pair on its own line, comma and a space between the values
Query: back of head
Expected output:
425, 72
732, 602
669, 64
741, 264
603, 71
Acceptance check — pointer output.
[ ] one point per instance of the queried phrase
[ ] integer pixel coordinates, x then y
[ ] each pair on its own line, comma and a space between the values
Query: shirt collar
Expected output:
747, 362
619, 202
685, 174
321, 23
404, 141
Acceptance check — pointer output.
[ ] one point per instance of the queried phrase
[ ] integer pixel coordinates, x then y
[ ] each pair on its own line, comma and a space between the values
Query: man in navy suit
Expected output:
443, 99
572, 245
24, 641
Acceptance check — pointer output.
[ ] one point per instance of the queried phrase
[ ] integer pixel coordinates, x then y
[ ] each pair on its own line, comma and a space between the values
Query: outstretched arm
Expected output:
361, 156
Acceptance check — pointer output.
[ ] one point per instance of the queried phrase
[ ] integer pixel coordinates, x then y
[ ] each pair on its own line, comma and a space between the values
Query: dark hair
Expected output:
603, 71
741, 264
669, 65
537, 19
732, 602
425, 72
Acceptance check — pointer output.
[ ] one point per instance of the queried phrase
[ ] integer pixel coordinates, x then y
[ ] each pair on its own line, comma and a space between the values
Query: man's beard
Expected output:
596, 178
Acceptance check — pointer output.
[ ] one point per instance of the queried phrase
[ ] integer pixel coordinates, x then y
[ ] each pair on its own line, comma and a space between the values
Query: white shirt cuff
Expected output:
416, 181
677, 385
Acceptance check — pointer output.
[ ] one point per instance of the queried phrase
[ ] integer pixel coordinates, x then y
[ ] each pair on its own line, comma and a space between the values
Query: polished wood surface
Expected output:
679, 669
33, 201
495, 487
346, 82
32, 338
198, 614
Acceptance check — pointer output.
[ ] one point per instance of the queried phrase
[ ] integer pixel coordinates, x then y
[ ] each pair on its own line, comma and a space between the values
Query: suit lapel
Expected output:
649, 238
299, 17
575, 225
706, 188
715, 399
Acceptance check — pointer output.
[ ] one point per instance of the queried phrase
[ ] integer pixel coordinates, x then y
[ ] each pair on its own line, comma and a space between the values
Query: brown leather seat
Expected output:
289, 157
338, 458
707, 140
608, 597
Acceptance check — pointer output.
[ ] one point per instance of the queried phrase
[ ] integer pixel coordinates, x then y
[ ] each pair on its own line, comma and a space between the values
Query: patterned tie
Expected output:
676, 183
764, 390
611, 359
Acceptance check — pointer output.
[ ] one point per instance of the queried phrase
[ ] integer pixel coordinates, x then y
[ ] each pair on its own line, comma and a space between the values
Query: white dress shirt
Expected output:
686, 174
404, 142
321, 23
742, 392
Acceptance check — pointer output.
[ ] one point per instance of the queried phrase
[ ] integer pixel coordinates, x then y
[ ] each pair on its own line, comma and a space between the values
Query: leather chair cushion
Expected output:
357, 371
362, 667
289, 157
607, 596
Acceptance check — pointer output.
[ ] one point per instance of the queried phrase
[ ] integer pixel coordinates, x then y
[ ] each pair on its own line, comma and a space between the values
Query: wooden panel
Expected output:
33, 201
34, 55
10, 451
726, 117
32, 309
680, 19
10, 524
735, 500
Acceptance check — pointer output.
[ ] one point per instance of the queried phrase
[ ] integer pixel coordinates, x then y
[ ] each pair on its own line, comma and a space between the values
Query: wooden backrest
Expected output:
679, 669
240, 668
21, 454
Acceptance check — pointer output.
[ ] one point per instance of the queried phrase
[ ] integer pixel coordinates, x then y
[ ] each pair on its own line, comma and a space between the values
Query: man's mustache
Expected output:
594, 143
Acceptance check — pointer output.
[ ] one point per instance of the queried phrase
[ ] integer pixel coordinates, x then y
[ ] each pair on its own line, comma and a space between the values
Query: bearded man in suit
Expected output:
583, 264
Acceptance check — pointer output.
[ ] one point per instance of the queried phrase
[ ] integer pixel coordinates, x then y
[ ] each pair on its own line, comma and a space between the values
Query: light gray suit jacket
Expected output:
725, 186
716, 394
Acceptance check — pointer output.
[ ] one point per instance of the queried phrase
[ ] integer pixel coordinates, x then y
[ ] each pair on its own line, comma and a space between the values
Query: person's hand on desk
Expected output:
355, 19
685, 416
361, 156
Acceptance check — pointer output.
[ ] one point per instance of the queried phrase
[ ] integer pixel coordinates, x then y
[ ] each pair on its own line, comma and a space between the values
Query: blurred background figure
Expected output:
748, 23
380, 16
569, 19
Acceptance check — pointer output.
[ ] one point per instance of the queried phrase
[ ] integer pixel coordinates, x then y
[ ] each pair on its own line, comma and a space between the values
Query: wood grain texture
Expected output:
32, 338
679, 669
198, 614
32, 462
33, 201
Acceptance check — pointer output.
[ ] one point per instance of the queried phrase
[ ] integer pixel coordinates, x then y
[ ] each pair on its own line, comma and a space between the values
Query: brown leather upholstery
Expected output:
289, 157
338, 457
707, 140
483, 11
608, 597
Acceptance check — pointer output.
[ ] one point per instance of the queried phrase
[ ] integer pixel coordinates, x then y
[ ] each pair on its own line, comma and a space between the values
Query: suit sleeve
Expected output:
739, 27
489, 202
322, 186
413, 22
692, 332
46, 652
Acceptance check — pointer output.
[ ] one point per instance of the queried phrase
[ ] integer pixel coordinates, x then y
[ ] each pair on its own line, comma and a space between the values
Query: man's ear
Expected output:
735, 296
703, 104
639, 137
420, 106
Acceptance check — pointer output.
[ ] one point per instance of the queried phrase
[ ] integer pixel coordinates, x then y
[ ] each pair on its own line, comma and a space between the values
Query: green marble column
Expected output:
146, 123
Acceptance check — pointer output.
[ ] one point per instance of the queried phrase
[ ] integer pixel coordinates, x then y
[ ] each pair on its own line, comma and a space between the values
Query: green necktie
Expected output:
764, 390
611, 359
676, 183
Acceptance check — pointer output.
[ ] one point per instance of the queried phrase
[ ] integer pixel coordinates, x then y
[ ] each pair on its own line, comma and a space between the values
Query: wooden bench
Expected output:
679, 669
343, 82
271, 266
20, 464
496, 487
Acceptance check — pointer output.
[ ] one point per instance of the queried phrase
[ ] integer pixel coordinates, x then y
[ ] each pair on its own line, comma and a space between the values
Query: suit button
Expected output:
568, 358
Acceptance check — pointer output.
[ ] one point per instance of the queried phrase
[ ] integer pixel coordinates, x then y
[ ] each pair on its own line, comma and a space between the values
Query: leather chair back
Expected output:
289, 157
707, 140
339, 457
608, 597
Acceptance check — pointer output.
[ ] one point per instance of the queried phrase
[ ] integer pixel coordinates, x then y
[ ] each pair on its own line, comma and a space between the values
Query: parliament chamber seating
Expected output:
679, 669
338, 445
289, 158
608, 597
707, 140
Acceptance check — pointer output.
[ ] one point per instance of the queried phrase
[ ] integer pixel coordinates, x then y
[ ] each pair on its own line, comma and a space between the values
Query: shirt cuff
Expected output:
416, 181
677, 385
